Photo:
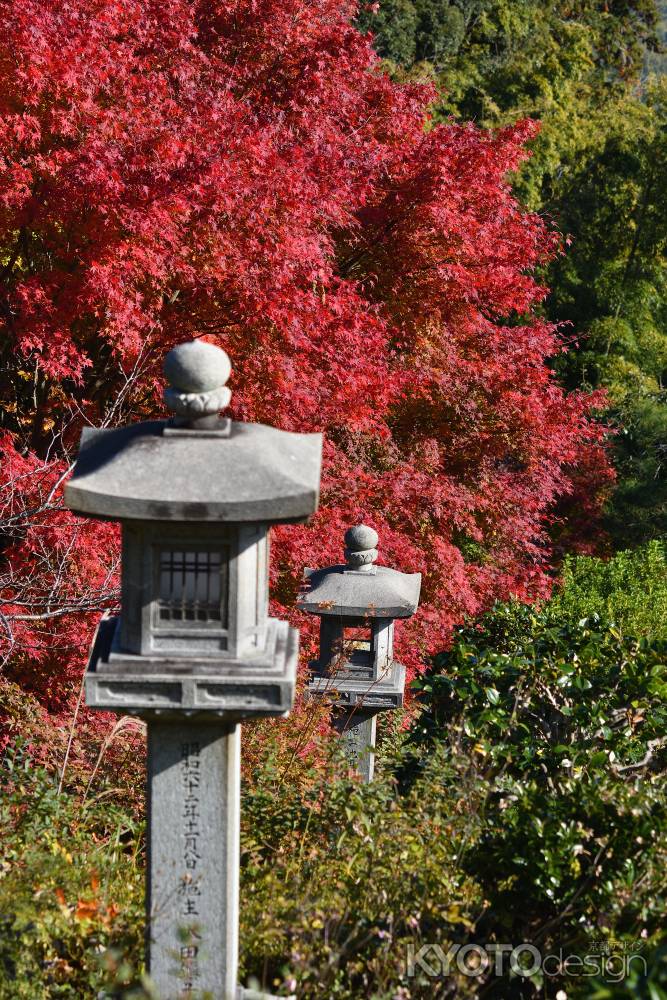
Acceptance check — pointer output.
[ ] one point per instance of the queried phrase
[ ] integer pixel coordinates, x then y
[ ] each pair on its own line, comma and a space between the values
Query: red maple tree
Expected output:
245, 172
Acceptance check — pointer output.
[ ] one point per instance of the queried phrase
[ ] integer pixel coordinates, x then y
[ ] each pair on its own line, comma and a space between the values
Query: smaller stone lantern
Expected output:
357, 604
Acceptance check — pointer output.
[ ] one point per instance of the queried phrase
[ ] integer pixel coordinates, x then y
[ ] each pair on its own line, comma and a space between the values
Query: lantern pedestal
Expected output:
192, 877
194, 785
234, 689
358, 734
355, 708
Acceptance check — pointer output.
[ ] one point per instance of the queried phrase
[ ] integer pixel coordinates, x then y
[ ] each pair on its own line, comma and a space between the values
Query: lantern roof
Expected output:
196, 466
360, 588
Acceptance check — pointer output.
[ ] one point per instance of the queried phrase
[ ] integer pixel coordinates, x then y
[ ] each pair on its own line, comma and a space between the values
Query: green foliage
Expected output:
409, 31
524, 802
630, 590
503, 56
529, 807
339, 879
71, 890
563, 724
540, 756
395, 28
611, 287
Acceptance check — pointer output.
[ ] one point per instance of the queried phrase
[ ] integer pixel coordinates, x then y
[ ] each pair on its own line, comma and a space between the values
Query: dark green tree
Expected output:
610, 287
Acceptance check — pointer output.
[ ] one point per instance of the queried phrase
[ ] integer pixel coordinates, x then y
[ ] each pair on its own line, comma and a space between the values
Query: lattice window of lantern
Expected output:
357, 646
193, 587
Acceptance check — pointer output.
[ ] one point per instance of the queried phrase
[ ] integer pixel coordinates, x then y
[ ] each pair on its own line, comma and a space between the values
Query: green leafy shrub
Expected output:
71, 889
523, 802
340, 881
563, 724
630, 590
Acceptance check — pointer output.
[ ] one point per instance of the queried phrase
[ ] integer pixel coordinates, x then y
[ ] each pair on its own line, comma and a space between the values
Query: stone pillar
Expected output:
193, 858
357, 731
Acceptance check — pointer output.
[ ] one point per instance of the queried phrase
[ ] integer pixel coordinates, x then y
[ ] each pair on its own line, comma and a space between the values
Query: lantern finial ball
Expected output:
361, 547
197, 372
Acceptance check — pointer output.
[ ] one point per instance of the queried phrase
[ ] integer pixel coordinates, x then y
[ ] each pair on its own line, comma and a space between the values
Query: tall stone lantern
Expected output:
357, 604
194, 651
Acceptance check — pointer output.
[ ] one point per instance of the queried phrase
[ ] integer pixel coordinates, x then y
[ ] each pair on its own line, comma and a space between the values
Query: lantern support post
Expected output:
194, 786
358, 733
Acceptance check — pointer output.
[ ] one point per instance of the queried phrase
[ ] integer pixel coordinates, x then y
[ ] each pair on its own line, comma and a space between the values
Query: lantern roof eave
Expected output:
255, 473
340, 591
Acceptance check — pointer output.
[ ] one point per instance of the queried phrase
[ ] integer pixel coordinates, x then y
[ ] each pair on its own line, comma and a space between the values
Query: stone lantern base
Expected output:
355, 704
345, 690
258, 686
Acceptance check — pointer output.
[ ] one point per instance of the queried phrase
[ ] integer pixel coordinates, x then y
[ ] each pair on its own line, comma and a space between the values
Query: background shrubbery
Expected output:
629, 590
522, 801
71, 885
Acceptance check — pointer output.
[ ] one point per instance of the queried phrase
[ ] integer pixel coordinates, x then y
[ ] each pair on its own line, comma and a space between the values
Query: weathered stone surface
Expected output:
361, 548
360, 538
193, 406
339, 590
197, 373
233, 560
197, 366
356, 705
158, 686
258, 473
345, 691
193, 875
358, 735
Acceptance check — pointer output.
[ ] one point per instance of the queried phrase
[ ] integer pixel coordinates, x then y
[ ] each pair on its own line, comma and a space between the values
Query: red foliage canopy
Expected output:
243, 171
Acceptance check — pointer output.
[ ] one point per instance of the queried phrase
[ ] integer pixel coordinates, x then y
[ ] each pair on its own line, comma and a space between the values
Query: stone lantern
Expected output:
194, 650
357, 604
